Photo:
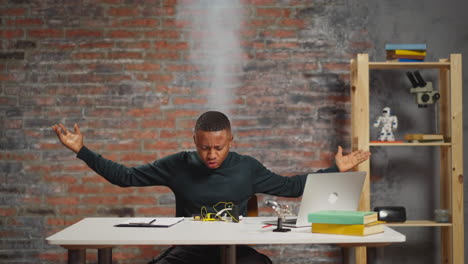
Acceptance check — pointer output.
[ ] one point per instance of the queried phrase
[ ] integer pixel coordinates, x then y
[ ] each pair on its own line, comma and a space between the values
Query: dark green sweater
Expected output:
195, 185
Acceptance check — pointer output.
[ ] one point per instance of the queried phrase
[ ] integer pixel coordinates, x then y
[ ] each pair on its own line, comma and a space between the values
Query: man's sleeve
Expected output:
156, 173
270, 183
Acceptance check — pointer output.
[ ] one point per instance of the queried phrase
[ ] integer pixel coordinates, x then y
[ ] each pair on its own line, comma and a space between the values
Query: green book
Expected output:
342, 217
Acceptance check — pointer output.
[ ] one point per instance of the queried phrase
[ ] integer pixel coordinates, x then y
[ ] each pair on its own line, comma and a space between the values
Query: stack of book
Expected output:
353, 223
424, 138
406, 52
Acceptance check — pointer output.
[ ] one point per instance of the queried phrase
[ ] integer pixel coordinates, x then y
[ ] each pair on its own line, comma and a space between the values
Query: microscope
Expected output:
424, 93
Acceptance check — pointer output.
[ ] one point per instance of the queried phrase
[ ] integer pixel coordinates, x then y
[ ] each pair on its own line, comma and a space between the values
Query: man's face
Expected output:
213, 146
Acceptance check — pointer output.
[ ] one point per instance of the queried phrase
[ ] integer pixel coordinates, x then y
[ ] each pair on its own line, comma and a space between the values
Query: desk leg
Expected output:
77, 256
228, 254
105, 255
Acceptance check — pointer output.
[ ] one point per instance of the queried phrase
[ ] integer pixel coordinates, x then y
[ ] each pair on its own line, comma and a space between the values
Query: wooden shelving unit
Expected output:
451, 157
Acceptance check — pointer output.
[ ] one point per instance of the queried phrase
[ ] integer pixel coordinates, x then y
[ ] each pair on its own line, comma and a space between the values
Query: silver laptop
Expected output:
328, 191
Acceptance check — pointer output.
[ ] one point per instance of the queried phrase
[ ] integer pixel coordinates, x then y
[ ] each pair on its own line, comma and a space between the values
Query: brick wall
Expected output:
122, 70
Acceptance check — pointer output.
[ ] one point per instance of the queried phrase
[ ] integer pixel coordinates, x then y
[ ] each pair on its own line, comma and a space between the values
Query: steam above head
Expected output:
215, 46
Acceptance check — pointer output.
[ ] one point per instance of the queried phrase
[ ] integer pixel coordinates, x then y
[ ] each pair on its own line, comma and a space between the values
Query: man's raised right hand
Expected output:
73, 141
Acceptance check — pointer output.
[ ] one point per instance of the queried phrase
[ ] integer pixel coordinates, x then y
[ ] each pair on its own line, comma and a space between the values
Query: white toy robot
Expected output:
389, 123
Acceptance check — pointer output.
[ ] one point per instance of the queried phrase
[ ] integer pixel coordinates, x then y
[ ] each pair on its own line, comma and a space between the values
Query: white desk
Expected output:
100, 233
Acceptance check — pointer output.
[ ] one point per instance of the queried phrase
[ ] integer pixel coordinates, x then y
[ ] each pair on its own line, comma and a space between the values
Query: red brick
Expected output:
254, 133
160, 11
142, 158
59, 200
114, 189
187, 124
169, 3
150, 23
125, 55
176, 133
134, 45
86, 211
101, 200
123, 11
122, 34
337, 66
186, 145
60, 179
286, 45
104, 112
152, 211
88, 55
97, 45
122, 256
45, 33
168, 55
342, 98
25, 22
84, 189
11, 33
158, 123
13, 124
181, 68
42, 168
61, 221
176, 23
280, 33
154, 189
12, 11
123, 146
143, 67
272, 12
362, 45
7, 211
163, 34
159, 78
173, 114
171, 45
144, 112
317, 164
260, 23
18, 156
297, 23
78, 33
170, 89
273, 56
9, 77
191, 100
137, 200
160, 145
60, 46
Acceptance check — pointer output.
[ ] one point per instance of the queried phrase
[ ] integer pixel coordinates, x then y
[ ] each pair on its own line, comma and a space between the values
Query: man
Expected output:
210, 175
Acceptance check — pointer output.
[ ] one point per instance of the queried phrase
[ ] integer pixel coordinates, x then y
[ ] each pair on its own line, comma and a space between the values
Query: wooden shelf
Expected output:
408, 144
418, 223
407, 65
450, 124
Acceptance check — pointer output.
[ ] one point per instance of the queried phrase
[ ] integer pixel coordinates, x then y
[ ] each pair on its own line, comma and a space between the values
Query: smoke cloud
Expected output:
215, 46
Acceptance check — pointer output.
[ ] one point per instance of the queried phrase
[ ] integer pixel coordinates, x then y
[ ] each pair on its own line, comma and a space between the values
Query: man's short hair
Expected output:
212, 121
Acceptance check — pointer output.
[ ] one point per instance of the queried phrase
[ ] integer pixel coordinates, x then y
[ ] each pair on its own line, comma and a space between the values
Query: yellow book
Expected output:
410, 52
350, 230
424, 137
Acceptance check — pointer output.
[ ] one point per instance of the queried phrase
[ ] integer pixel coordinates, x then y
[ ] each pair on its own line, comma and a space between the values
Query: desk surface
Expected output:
98, 231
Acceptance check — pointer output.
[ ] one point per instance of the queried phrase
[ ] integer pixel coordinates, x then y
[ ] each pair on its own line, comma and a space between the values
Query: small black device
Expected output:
391, 213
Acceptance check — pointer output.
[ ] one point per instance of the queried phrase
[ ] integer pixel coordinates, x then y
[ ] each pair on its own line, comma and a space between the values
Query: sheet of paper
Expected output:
151, 221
